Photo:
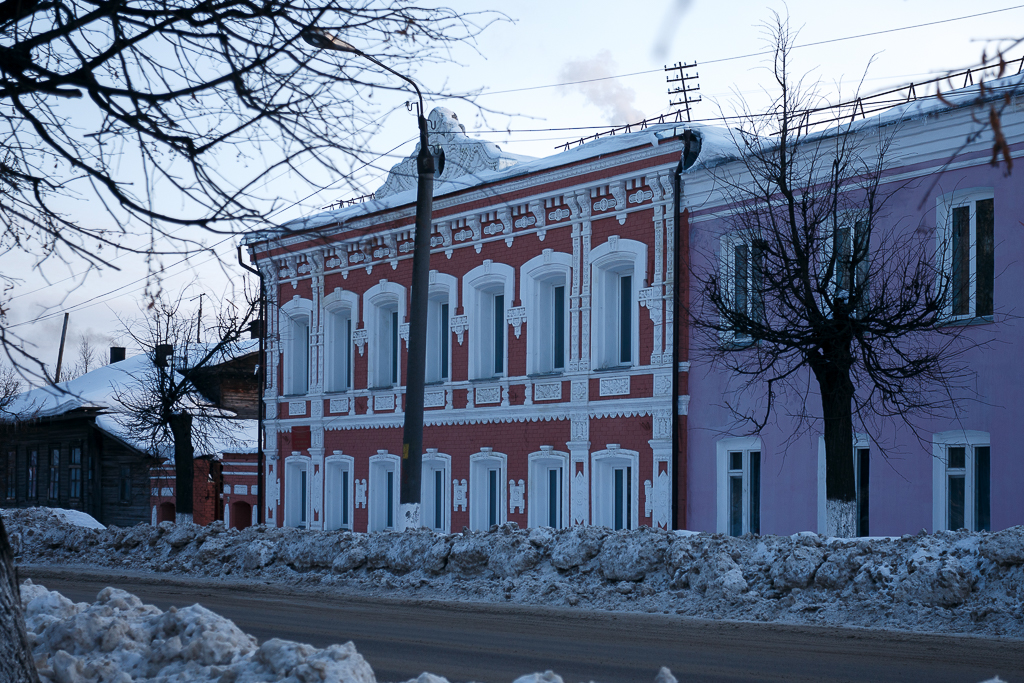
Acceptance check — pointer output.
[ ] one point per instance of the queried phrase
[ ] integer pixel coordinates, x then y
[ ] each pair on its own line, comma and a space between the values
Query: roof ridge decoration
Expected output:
463, 155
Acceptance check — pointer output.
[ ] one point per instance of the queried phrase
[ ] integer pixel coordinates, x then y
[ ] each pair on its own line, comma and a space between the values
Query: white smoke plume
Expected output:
613, 98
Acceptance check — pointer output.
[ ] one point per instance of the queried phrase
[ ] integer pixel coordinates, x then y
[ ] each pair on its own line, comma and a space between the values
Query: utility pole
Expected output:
686, 101
60, 354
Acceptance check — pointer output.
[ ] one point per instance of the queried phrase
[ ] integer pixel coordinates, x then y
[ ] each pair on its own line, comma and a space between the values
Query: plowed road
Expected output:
497, 643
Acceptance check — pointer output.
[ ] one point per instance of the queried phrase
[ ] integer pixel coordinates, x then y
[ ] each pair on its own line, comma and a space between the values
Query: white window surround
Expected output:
293, 316
336, 356
859, 441
376, 299
724, 447
436, 462
602, 485
610, 260
727, 271
294, 466
944, 206
334, 492
941, 442
444, 288
479, 286
538, 277
847, 230
380, 465
479, 488
538, 492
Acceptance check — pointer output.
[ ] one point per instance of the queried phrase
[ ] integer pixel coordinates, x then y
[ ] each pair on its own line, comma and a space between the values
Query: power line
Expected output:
758, 54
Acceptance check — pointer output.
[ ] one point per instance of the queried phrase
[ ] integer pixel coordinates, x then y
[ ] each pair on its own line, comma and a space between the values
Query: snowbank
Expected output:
944, 582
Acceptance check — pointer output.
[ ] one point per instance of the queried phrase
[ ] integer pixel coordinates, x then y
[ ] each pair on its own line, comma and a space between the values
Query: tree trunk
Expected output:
840, 487
181, 430
16, 662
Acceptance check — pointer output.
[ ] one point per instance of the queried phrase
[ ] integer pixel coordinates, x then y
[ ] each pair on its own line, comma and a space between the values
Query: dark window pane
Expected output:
863, 489
735, 460
559, 328
439, 496
302, 496
961, 248
75, 476
735, 505
344, 499
757, 283
126, 484
626, 319
740, 279
620, 499
553, 498
841, 259
492, 498
983, 489
445, 336
956, 501
957, 457
755, 492
390, 514
499, 338
984, 230
348, 353
394, 347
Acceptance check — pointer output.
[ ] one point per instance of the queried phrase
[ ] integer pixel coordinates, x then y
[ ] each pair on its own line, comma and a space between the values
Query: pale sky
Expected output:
552, 42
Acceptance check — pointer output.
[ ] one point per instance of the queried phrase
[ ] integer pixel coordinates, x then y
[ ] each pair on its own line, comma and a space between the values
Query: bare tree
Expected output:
163, 405
10, 386
795, 287
173, 115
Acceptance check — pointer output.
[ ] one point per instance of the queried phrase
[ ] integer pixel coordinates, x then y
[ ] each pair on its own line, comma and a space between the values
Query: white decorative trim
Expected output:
482, 395
614, 386
459, 325
434, 398
340, 405
663, 385
460, 501
403, 333
516, 496
516, 316
296, 408
547, 391
383, 402
359, 339
640, 196
360, 497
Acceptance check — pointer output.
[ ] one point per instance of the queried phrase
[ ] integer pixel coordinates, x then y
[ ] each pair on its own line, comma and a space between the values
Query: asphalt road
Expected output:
497, 643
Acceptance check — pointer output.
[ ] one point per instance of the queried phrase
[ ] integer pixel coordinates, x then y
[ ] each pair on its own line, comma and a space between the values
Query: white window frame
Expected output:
436, 462
339, 352
538, 278
334, 467
444, 289
295, 315
539, 494
859, 441
603, 464
479, 488
848, 221
380, 465
479, 287
294, 466
727, 270
609, 261
941, 443
746, 445
944, 245
377, 300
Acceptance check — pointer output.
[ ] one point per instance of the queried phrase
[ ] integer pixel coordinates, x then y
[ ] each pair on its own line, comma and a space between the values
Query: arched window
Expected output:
441, 306
488, 291
295, 321
384, 471
297, 489
435, 491
615, 488
549, 488
383, 314
341, 314
487, 494
739, 485
546, 282
338, 491
619, 273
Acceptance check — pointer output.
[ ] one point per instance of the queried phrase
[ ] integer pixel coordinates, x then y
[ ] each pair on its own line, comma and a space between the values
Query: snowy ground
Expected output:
944, 582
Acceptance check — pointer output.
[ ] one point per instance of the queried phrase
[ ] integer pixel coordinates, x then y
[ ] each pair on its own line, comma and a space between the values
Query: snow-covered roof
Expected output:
99, 389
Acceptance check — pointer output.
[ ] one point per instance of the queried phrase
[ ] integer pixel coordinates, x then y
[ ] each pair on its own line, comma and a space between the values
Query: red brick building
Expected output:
223, 488
551, 346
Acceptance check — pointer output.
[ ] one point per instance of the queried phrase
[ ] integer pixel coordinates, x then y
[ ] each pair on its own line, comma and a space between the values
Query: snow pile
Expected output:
948, 581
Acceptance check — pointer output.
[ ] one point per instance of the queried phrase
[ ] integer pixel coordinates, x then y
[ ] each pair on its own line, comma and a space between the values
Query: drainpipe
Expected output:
261, 382
678, 274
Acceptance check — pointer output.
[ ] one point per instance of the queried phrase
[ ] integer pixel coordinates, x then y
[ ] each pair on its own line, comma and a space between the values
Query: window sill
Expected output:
614, 368
546, 375
487, 380
966, 321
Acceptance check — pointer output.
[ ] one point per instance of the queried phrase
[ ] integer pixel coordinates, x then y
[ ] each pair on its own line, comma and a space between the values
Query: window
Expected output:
546, 280
487, 495
75, 471
488, 293
548, 488
384, 310
384, 470
296, 482
339, 323
739, 486
861, 479
441, 306
966, 234
295, 339
124, 485
618, 276
742, 275
338, 491
32, 481
848, 257
11, 476
616, 487
53, 489
962, 481
435, 485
